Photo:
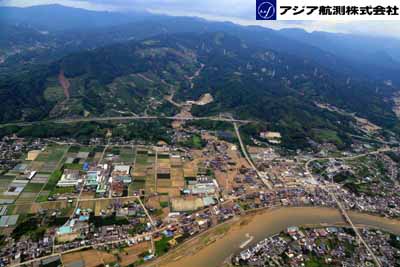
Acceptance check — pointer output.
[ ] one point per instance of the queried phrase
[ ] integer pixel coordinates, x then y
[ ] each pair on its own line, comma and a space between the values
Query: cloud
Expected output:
237, 11
90, 5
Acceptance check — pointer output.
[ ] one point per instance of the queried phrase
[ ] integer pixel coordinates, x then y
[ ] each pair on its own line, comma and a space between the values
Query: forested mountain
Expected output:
274, 77
377, 58
245, 79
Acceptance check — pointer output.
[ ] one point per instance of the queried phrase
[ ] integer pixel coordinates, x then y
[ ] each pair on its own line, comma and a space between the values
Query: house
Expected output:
120, 170
92, 179
117, 188
101, 189
124, 179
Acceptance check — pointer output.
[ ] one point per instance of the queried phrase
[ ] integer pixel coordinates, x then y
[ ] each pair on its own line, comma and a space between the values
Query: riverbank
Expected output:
213, 247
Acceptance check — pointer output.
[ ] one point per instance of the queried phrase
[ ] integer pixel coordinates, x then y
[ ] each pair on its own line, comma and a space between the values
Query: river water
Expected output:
271, 222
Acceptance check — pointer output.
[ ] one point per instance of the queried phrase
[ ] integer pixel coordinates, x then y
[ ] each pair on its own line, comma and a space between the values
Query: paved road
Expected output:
265, 181
88, 246
347, 217
146, 211
339, 204
125, 118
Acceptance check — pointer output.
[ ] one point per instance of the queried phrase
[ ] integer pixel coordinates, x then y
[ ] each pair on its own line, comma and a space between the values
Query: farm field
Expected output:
153, 172
87, 258
16, 187
159, 172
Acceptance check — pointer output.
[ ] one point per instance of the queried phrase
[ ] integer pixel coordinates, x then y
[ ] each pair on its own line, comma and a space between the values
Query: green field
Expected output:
127, 155
162, 245
51, 184
136, 185
141, 159
33, 188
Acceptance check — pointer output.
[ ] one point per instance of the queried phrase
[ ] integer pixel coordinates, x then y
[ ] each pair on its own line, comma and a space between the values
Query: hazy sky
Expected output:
238, 11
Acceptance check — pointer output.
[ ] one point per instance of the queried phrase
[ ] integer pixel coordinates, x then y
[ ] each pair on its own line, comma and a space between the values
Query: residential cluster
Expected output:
330, 246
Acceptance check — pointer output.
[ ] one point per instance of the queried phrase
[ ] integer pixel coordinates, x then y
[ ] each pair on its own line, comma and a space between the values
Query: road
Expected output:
146, 211
125, 118
381, 150
243, 148
156, 230
355, 229
88, 246
339, 204
155, 170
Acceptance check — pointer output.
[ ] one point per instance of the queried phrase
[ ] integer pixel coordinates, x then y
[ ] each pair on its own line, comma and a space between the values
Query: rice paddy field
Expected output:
15, 187
158, 172
88, 258
152, 172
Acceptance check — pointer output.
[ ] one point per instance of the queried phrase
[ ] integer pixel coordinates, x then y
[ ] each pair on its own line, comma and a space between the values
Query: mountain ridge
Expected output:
244, 79
255, 73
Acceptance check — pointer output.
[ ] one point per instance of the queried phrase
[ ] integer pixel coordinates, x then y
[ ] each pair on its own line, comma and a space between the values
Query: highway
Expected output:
124, 118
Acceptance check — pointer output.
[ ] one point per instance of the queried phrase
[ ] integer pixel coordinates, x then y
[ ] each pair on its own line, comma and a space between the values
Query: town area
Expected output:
330, 246
118, 203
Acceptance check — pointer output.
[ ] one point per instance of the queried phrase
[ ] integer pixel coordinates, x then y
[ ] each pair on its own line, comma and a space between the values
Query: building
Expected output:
69, 178
101, 189
117, 188
203, 188
92, 179
120, 170
125, 179
7, 221
272, 137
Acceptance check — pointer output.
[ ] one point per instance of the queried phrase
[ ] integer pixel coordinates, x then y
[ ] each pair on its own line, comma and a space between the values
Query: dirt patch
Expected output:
90, 258
205, 99
65, 84
107, 257
131, 254
186, 204
71, 258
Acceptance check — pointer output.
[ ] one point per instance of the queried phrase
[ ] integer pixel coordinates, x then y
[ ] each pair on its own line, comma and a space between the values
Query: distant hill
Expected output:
56, 31
61, 18
378, 56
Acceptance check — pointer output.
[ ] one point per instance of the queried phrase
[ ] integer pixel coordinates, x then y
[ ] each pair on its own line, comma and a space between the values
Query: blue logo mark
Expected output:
266, 10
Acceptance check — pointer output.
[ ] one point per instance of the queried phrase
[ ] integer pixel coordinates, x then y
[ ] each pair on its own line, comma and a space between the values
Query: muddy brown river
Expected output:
271, 222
